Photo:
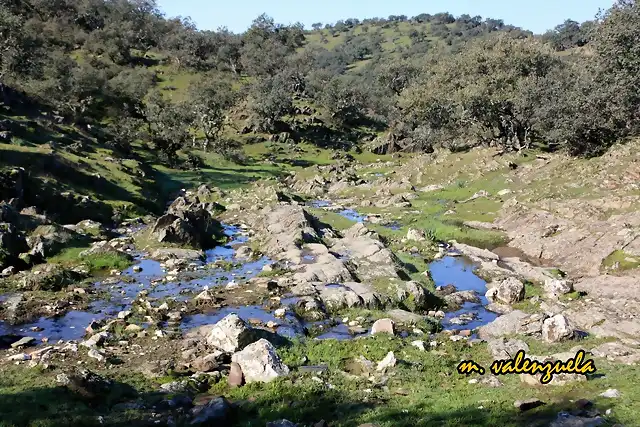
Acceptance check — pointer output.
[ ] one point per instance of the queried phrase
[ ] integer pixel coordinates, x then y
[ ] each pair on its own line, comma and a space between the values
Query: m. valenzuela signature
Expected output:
523, 365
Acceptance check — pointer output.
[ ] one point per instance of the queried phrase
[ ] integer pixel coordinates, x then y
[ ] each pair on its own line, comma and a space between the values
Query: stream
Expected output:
124, 289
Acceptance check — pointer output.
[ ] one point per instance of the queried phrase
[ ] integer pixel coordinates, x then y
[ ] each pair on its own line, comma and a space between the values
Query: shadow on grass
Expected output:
58, 406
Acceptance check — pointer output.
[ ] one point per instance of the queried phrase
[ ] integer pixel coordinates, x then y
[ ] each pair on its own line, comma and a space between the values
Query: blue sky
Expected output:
536, 16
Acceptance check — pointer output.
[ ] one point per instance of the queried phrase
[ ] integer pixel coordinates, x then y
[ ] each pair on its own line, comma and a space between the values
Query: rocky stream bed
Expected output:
280, 274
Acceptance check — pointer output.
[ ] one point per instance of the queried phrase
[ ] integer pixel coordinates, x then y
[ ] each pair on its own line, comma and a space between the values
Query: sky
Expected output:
537, 16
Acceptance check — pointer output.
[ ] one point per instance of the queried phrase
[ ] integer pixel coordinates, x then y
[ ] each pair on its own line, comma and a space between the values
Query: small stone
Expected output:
95, 354
236, 378
383, 326
473, 381
96, 339
388, 362
124, 314
137, 269
525, 405
465, 333
281, 312
272, 325
418, 344
611, 393
164, 307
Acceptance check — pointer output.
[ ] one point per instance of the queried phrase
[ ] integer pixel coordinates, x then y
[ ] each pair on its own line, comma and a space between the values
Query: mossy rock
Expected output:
49, 277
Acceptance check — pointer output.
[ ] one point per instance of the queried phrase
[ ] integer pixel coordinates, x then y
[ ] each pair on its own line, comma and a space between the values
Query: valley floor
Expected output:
473, 256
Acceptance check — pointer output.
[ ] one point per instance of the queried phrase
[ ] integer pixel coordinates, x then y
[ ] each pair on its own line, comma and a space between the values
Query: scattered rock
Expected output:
260, 362
525, 405
556, 287
611, 393
383, 326
556, 329
508, 291
230, 334
388, 362
23, 342
236, 377
502, 348
86, 383
215, 412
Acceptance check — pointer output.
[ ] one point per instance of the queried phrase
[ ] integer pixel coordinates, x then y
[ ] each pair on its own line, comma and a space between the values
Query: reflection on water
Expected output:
459, 272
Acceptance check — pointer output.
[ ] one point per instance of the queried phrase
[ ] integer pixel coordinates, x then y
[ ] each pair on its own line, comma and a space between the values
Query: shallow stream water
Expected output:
122, 293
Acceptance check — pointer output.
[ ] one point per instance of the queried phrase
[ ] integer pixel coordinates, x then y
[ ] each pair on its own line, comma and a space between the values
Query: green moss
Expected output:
620, 261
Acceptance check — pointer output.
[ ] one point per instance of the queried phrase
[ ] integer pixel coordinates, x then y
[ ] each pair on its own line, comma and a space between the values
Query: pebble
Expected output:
280, 312
95, 354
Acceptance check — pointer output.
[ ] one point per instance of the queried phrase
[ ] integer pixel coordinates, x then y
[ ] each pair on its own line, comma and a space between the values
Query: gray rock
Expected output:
389, 361
236, 377
406, 317
260, 362
507, 324
611, 393
23, 342
556, 287
413, 295
383, 326
49, 277
188, 255
457, 299
230, 334
96, 339
556, 329
506, 349
215, 412
508, 291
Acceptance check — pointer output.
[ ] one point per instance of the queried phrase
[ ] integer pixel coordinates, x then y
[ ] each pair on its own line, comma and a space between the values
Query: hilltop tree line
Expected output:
457, 82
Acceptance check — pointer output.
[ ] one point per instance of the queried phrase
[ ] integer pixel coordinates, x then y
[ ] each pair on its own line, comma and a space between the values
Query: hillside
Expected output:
314, 227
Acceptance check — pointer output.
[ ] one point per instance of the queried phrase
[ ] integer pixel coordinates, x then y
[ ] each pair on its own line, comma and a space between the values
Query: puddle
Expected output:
68, 327
352, 215
288, 327
459, 272
393, 225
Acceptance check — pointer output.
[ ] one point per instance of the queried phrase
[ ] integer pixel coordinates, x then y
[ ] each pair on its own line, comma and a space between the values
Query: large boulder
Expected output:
230, 334
260, 362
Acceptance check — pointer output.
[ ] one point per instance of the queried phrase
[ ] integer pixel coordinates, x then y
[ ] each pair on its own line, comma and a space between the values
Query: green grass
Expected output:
96, 263
619, 261
423, 389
